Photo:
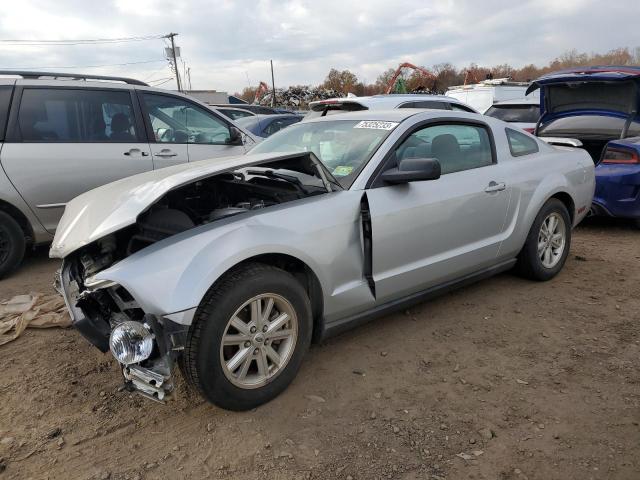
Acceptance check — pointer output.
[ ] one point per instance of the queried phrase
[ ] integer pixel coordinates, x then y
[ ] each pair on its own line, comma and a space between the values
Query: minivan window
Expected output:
76, 115
5, 101
174, 120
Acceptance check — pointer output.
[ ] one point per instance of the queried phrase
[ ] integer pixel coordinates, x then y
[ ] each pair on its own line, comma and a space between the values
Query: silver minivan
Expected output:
64, 134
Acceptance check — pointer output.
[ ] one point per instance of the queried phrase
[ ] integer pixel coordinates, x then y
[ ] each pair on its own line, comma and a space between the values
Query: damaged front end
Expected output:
147, 342
146, 346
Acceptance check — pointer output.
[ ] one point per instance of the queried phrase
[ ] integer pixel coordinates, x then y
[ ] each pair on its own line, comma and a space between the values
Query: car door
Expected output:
64, 141
427, 233
182, 131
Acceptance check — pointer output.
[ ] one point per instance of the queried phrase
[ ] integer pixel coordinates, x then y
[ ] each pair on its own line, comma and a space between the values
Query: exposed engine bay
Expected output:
100, 308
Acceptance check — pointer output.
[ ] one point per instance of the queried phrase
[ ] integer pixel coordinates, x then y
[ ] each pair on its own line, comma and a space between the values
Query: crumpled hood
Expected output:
114, 206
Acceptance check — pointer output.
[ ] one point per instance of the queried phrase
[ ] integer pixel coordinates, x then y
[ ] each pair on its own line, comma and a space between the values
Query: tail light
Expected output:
529, 130
620, 156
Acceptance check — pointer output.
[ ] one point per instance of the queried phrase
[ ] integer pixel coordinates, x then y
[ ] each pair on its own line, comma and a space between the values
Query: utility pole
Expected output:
273, 86
175, 61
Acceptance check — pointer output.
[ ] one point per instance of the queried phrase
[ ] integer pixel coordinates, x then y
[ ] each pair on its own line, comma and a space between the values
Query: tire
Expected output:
211, 367
545, 266
12, 244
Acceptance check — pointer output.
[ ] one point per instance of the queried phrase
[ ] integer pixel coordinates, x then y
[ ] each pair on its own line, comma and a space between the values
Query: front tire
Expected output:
248, 337
12, 244
548, 242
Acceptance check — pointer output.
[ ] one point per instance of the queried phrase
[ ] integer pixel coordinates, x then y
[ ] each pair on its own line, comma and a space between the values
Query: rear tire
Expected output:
12, 244
232, 354
548, 242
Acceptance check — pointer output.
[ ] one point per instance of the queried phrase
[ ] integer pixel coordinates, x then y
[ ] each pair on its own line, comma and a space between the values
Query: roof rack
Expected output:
75, 76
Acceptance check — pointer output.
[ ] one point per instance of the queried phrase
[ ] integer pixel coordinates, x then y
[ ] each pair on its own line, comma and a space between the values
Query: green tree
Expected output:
342, 81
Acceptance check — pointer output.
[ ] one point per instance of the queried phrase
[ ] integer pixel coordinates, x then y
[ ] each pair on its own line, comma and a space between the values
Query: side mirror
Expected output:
235, 136
413, 170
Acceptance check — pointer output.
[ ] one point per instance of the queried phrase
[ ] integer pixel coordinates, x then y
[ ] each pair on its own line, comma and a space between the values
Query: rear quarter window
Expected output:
521, 144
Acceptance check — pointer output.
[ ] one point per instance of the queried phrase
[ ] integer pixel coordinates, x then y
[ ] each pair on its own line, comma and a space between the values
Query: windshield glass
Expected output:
344, 146
515, 113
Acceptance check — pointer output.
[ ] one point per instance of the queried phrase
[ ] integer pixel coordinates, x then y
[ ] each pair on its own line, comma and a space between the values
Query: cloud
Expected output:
228, 44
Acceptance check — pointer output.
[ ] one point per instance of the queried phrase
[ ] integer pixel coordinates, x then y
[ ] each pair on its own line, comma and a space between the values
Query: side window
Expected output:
408, 105
175, 120
432, 105
76, 115
5, 101
521, 144
456, 146
278, 125
460, 108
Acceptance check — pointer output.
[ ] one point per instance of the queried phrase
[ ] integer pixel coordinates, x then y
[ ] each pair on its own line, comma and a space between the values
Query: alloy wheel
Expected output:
551, 240
259, 340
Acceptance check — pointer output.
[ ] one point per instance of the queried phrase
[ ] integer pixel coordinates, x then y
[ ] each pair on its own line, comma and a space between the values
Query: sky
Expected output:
228, 44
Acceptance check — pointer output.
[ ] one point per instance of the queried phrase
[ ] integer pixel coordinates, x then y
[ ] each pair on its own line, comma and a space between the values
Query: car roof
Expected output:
386, 101
395, 115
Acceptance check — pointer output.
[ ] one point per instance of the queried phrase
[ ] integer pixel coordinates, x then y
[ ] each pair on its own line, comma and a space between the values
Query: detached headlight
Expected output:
131, 342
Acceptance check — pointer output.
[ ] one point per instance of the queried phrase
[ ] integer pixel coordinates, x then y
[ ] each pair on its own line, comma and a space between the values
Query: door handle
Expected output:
136, 150
495, 187
165, 153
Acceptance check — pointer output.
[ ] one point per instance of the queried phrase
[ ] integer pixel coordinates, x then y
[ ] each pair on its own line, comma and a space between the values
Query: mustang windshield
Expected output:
344, 146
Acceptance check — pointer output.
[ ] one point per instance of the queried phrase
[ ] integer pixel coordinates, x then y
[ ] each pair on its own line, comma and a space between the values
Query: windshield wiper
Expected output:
281, 176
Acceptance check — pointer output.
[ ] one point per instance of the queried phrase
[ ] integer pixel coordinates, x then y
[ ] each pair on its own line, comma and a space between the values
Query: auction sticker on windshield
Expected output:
376, 125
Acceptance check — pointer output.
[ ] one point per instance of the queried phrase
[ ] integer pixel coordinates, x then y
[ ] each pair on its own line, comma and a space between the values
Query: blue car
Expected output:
266, 125
598, 108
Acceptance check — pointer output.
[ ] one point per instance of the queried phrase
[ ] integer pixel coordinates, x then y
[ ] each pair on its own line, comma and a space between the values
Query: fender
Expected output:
554, 182
173, 275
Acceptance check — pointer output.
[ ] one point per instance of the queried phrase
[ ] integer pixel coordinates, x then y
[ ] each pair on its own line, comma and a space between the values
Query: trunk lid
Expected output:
607, 91
593, 105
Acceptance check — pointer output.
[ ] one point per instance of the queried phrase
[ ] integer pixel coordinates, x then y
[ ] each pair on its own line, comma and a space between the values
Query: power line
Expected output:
86, 66
85, 41
163, 82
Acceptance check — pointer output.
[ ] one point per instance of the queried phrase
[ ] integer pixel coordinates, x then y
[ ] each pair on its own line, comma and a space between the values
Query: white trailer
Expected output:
483, 95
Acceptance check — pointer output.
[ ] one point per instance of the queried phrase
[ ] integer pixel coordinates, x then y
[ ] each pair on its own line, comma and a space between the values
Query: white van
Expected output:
483, 95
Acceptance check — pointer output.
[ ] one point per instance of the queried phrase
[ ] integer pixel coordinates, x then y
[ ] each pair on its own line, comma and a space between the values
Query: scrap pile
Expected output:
33, 310
298, 97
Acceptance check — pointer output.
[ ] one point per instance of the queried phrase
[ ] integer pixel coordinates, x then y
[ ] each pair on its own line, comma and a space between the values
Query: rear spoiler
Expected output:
562, 141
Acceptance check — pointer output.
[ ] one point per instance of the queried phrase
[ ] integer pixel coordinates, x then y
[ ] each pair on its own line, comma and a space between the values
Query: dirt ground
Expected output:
507, 379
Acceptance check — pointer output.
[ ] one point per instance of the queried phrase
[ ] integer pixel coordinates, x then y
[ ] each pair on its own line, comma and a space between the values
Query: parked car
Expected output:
232, 267
235, 113
523, 113
485, 94
598, 109
264, 126
332, 106
64, 134
257, 109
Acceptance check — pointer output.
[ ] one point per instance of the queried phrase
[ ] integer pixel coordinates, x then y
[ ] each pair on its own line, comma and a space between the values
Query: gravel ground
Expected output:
506, 379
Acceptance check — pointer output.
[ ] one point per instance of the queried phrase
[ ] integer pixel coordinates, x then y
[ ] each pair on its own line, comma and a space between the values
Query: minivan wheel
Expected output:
547, 246
12, 244
248, 337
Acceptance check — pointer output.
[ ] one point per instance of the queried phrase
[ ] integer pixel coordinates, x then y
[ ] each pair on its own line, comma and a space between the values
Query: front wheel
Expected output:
248, 337
12, 244
547, 246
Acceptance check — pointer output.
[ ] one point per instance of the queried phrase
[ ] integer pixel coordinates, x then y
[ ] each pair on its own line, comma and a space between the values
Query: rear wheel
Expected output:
249, 336
12, 244
547, 246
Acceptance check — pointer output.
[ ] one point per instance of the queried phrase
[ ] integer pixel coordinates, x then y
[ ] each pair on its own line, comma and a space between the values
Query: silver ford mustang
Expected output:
229, 268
